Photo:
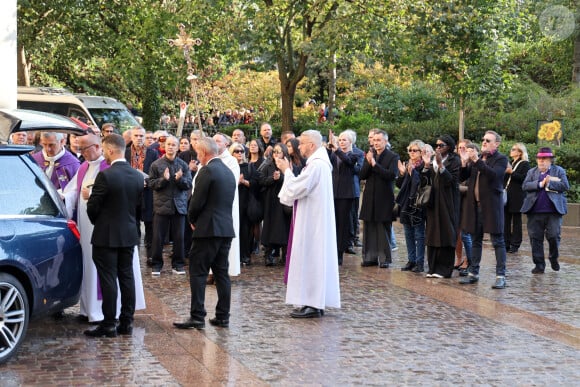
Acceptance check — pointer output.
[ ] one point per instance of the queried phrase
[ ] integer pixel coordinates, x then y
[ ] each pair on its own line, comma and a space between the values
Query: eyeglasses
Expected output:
277, 151
241, 151
414, 150
109, 131
486, 140
440, 145
81, 150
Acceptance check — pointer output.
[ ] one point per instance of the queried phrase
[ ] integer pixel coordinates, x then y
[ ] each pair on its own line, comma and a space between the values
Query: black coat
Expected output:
409, 184
113, 204
491, 176
378, 196
169, 196
443, 215
514, 189
345, 168
210, 207
276, 221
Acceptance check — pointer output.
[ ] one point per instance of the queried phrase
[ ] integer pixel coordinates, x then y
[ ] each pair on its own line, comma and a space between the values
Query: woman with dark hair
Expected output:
255, 204
245, 235
276, 218
296, 159
443, 212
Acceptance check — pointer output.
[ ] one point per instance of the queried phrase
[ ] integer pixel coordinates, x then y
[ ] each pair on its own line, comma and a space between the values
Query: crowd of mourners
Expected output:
449, 195
211, 121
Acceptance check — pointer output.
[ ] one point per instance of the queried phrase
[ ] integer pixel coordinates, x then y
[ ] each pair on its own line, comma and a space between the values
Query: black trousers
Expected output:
161, 225
112, 264
210, 253
512, 229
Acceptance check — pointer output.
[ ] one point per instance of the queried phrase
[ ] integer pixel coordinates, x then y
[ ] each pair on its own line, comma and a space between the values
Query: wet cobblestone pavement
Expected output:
395, 328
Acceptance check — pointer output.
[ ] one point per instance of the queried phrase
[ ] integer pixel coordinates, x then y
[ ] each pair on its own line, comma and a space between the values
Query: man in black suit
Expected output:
210, 215
112, 209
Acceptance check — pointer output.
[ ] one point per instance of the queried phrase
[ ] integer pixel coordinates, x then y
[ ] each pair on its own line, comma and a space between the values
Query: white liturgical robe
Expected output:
313, 271
90, 302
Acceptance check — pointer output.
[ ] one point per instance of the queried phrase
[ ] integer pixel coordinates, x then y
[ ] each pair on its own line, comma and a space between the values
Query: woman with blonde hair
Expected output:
514, 177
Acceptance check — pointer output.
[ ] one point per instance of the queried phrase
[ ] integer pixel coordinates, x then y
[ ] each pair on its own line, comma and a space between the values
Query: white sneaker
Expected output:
395, 248
435, 275
156, 273
177, 270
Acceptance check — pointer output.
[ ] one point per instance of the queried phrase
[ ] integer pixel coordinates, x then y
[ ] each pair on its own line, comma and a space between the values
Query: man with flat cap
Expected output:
544, 205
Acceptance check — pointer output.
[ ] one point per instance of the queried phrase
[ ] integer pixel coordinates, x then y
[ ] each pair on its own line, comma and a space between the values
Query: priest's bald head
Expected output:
310, 141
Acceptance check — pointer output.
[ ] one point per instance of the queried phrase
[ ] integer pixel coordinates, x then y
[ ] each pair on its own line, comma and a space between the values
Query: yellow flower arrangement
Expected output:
551, 131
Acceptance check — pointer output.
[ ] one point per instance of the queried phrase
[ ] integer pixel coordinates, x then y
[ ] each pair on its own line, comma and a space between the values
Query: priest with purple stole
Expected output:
55, 160
75, 196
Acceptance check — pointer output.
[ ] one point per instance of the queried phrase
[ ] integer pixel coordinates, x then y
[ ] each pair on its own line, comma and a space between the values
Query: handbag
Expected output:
424, 195
504, 196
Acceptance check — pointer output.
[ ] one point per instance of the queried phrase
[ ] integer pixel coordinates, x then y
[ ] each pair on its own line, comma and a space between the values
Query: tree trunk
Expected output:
576, 66
288, 91
23, 72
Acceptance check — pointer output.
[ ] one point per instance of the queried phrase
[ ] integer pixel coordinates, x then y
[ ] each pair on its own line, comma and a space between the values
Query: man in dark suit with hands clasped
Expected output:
111, 208
210, 215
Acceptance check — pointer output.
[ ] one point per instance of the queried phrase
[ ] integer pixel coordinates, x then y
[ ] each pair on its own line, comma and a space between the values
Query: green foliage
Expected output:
151, 102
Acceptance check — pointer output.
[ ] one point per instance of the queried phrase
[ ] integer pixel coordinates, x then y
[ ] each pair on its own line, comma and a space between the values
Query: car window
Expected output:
21, 192
122, 118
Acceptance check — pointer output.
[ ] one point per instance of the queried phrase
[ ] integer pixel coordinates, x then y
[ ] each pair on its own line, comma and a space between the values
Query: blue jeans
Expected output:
550, 225
415, 238
467, 244
392, 240
498, 245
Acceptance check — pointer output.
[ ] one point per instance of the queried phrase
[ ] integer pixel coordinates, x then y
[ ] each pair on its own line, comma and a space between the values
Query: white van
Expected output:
90, 109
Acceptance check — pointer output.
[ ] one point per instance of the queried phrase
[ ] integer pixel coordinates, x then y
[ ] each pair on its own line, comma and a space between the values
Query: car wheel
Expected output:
14, 316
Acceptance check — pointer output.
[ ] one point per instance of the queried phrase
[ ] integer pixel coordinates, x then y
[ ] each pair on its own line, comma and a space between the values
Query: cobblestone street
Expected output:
395, 328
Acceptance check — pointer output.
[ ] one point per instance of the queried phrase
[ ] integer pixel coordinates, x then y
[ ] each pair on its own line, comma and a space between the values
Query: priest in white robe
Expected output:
75, 195
313, 281
231, 162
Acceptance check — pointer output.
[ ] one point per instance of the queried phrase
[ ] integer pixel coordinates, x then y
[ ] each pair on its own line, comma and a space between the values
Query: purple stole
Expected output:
82, 171
290, 239
64, 168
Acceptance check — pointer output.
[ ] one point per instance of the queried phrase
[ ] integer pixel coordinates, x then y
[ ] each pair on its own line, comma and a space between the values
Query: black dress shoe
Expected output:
408, 267
306, 312
125, 329
190, 323
350, 250
358, 243
368, 263
555, 264
101, 331
537, 270
384, 265
219, 323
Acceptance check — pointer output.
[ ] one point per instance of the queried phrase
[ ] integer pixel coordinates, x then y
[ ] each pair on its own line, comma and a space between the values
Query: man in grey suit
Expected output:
544, 205
112, 209
210, 215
